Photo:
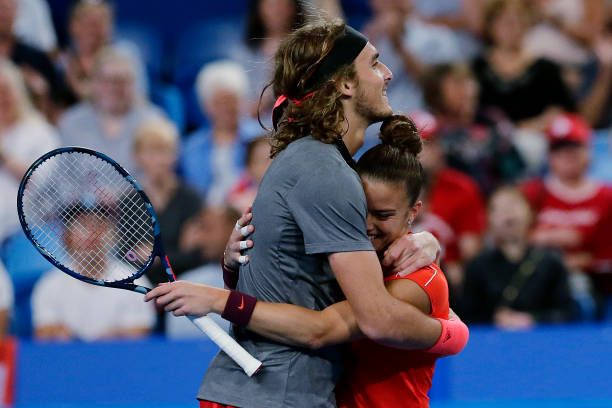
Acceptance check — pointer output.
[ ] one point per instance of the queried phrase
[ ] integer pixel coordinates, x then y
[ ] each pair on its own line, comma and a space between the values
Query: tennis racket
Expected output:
88, 217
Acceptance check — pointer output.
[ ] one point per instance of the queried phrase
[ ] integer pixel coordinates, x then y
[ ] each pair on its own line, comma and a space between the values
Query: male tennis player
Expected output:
310, 227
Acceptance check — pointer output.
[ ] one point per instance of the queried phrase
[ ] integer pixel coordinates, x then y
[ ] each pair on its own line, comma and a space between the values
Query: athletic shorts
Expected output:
208, 404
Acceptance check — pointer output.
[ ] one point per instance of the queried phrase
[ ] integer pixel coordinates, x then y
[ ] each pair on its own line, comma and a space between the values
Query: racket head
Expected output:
69, 183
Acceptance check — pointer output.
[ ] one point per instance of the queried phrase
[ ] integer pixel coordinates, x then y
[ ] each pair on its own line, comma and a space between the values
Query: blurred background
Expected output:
513, 99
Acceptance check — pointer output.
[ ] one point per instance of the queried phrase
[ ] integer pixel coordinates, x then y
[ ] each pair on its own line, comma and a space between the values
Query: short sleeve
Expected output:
330, 209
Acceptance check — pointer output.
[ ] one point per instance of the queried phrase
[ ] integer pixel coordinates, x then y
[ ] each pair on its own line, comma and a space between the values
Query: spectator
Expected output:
525, 89
42, 79
572, 212
448, 196
91, 30
33, 25
482, 149
514, 284
268, 22
155, 152
243, 193
66, 308
214, 226
213, 158
6, 300
107, 121
24, 136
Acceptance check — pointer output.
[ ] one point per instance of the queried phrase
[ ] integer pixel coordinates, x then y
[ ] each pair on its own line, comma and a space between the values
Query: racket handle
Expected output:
249, 364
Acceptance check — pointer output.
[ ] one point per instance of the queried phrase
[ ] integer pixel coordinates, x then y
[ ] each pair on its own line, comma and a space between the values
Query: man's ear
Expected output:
347, 87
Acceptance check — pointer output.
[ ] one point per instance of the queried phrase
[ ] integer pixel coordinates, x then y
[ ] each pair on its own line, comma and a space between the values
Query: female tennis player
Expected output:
378, 376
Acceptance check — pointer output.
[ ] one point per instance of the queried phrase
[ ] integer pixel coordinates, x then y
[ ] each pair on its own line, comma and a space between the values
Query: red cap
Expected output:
426, 123
568, 127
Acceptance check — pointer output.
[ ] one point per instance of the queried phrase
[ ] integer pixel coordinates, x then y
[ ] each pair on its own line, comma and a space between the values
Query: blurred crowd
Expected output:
513, 99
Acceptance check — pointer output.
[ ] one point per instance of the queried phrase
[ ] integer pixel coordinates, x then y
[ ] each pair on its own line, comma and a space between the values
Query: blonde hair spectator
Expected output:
156, 132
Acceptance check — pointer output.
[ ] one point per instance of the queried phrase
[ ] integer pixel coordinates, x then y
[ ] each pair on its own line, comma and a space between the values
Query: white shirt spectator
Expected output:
180, 327
90, 312
26, 141
33, 25
6, 289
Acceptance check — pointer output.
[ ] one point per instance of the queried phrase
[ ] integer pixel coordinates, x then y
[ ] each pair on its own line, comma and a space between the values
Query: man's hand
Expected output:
232, 256
410, 253
188, 299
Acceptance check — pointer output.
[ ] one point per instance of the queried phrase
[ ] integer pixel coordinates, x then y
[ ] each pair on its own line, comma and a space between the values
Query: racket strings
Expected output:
88, 217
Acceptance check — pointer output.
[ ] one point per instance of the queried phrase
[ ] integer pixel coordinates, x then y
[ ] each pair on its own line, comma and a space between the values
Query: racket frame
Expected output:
157, 243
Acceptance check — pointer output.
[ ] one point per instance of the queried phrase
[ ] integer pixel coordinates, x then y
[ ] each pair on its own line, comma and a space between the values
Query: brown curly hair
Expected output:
320, 114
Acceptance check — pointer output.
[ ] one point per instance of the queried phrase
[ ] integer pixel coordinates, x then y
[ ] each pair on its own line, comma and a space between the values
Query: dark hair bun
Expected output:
399, 131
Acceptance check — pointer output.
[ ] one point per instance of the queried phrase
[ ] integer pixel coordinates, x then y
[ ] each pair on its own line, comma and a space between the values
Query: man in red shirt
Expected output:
573, 212
454, 209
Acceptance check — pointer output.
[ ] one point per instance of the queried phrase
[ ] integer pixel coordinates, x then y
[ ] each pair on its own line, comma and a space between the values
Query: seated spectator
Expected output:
214, 226
268, 22
91, 30
448, 196
514, 284
42, 79
24, 137
107, 121
526, 89
155, 151
482, 149
243, 193
66, 308
212, 158
573, 213
6, 300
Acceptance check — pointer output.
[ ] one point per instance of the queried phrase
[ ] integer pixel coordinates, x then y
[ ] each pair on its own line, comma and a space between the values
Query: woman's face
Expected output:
459, 95
276, 15
508, 28
389, 212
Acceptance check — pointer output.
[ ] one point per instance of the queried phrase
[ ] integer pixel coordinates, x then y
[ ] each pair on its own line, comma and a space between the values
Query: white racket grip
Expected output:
249, 364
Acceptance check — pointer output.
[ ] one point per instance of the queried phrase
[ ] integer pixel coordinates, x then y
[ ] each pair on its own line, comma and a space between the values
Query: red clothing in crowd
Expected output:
587, 210
386, 377
454, 207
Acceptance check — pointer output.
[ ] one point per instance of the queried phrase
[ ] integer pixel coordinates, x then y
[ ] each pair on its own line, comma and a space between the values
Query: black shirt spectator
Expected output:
544, 293
525, 96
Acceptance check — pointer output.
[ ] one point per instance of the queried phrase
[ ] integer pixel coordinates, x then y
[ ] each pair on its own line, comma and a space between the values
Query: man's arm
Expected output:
379, 315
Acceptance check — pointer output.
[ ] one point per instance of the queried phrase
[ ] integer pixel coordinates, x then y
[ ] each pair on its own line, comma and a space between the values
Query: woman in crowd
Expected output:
24, 136
155, 151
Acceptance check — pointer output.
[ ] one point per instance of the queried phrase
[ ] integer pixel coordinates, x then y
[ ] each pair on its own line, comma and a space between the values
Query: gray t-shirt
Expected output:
310, 203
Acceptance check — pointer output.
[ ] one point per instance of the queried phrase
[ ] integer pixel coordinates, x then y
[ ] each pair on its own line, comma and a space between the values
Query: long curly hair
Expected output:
320, 114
